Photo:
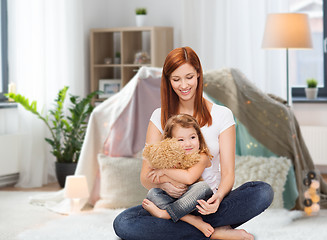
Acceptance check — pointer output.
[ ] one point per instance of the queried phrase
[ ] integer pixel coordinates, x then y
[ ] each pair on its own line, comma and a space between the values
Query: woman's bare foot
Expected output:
154, 210
228, 233
198, 222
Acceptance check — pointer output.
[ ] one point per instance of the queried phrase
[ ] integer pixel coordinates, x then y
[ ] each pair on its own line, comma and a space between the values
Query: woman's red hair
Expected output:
169, 99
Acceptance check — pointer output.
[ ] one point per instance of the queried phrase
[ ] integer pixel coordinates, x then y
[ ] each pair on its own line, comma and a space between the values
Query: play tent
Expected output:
267, 119
118, 126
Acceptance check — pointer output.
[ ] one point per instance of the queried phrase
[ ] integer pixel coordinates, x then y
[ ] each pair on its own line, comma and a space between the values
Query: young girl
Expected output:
186, 130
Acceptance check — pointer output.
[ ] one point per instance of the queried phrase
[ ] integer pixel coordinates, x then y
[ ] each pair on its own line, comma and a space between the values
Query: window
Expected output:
311, 63
3, 50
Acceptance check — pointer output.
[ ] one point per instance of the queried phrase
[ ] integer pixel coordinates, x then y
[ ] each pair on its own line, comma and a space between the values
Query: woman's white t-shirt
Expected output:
222, 118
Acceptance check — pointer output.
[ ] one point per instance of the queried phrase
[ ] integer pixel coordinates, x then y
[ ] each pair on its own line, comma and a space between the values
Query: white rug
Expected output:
275, 224
281, 224
17, 215
23, 221
95, 225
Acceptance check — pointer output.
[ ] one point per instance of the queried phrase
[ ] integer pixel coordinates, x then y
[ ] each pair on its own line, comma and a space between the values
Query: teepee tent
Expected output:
117, 127
267, 119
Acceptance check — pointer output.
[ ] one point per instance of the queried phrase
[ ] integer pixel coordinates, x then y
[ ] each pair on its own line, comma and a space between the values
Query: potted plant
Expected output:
67, 131
117, 58
140, 16
311, 91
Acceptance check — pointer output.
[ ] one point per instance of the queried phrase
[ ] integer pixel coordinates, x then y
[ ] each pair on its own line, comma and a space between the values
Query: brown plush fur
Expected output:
169, 154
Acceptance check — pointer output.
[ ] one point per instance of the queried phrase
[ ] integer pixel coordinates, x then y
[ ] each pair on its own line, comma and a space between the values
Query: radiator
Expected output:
315, 138
9, 162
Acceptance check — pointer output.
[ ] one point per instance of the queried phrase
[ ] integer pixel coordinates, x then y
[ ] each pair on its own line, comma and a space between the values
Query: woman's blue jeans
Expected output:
239, 206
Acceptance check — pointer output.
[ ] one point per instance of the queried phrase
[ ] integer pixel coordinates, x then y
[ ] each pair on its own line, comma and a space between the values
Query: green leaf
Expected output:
67, 130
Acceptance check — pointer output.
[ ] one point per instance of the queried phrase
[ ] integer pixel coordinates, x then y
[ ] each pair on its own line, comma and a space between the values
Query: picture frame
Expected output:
109, 87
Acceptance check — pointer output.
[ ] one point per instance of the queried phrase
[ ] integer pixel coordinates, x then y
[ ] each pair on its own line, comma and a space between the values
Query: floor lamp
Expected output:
285, 31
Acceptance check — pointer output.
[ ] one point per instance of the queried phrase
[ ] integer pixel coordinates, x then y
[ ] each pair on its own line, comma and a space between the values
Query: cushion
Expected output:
272, 170
120, 185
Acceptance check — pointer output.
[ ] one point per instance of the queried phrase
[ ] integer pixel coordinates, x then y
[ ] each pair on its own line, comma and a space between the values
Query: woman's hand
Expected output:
174, 191
210, 206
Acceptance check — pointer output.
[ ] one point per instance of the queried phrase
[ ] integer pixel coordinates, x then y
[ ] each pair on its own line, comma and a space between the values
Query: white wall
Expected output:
159, 13
121, 13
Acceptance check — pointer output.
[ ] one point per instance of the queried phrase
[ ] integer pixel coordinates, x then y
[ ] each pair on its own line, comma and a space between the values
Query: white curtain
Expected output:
46, 53
229, 33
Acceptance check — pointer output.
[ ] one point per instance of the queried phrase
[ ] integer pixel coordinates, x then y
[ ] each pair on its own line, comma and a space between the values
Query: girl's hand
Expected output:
155, 175
172, 190
210, 206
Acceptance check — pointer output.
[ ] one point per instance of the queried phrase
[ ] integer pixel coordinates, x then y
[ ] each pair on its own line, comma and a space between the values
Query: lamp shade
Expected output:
76, 187
287, 30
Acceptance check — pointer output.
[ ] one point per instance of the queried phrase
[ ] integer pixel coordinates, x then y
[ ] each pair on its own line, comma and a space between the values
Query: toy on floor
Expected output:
311, 193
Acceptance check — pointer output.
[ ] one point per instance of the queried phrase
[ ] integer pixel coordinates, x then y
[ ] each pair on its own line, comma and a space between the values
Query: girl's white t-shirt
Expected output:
222, 118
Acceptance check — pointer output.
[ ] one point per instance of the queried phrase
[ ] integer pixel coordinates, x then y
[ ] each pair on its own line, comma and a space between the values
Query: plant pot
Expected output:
117, 60
311, 93
63, 170
140, 20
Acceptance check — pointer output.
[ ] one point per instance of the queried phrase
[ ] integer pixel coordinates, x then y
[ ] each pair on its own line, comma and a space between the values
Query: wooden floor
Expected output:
46, 188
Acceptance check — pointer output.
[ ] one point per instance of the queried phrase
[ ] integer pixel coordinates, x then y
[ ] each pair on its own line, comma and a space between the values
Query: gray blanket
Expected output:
267, 119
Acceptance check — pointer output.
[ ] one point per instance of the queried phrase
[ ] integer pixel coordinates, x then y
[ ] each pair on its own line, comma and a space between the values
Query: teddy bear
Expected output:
168, 153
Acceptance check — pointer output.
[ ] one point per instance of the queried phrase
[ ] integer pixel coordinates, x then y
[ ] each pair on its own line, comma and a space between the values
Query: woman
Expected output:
181, 92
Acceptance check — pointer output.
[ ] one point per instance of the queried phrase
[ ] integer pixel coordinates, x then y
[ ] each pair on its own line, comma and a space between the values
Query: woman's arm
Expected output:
227, 161
153, 135
186, 176
227, 141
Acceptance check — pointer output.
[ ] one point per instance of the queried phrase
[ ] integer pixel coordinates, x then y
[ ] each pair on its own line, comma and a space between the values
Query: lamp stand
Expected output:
74, 205
287, 81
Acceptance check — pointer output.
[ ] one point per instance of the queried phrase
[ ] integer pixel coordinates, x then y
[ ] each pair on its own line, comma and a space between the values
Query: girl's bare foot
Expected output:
228, 233
197, 222
154, 210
